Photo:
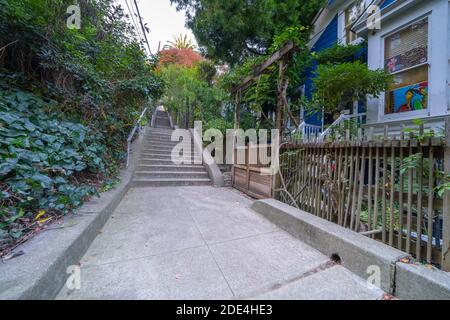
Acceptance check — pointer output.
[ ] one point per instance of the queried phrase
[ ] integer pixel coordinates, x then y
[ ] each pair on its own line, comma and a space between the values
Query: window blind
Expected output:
407, 48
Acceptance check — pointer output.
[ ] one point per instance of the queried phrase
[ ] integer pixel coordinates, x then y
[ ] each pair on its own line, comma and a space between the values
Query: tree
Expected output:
190, 95
234, 29
183, 57
338, 85
180, 42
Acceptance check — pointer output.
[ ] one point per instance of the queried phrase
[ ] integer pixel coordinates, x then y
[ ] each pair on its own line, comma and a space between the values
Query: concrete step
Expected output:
160, 182
167, 149
176, 139
171, 174
164, 146
167, 156
161, 150
159, 136
159, 131
146, 161
157, 151
165, 142
150, 138
171, 167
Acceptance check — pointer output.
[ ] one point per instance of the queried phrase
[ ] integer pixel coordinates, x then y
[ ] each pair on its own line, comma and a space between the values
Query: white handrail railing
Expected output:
307, 130
343, 117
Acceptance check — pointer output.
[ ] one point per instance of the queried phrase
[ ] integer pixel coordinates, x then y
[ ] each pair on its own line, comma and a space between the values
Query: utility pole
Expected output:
142, 26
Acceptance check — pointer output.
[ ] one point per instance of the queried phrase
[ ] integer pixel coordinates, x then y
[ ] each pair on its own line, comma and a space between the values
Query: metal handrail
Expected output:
170, 119
136, 129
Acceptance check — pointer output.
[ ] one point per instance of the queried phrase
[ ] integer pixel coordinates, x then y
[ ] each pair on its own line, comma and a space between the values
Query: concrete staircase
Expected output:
156, 168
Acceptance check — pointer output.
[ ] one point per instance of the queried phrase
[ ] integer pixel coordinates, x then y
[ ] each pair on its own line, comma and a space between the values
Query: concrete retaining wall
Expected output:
356, 251
420, 282
211, 167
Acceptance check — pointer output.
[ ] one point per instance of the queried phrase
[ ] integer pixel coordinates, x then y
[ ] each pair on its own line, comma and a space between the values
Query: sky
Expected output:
163, 20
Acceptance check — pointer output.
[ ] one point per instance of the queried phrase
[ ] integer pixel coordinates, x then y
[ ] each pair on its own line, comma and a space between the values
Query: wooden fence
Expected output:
388, 189
250, 171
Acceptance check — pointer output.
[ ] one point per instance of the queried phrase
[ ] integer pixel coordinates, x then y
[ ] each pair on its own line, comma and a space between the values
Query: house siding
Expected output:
386, 3
328, 39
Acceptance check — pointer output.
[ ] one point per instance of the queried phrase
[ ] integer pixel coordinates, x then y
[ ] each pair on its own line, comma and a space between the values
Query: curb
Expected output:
40, 273
414, 282
357, 252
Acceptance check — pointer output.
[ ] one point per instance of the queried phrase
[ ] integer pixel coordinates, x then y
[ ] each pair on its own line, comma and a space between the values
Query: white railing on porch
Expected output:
340, 123
305, 131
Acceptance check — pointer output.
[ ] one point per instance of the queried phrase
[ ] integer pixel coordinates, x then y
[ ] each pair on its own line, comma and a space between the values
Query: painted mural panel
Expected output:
406, 57
409, 98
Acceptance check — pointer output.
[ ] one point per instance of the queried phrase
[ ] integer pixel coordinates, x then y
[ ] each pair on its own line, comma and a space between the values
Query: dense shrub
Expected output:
40, 157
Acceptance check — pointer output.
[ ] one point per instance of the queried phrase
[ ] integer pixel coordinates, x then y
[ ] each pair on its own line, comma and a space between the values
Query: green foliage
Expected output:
297, 35
191, 92
180, 42
232, 30
41, 155
410, 162
338, 85
68, 100
339, 54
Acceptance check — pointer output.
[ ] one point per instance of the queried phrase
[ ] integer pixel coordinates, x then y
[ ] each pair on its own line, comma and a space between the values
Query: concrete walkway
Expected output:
205, 243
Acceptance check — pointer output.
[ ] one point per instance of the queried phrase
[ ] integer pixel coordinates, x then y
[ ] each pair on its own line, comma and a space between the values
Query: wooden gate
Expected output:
252, 176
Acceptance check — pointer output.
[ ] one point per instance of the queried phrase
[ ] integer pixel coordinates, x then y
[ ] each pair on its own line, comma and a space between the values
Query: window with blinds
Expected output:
406, 56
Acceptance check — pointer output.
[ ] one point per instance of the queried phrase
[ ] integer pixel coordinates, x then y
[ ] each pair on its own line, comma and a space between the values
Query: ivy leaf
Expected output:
7, 166
4, 195
45, 181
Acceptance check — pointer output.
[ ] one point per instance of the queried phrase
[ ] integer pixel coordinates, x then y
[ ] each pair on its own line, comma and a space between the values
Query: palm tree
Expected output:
180, 42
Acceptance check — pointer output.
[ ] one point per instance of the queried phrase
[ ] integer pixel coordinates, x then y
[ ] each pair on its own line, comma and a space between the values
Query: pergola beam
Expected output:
286, 50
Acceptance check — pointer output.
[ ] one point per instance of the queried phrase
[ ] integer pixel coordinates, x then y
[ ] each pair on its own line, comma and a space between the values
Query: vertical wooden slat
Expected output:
311, 179
355, 186
446, 210
335, 178
304, 165
419, 201
392, 196
430, 201
369, 187
318, 185
410, 193
361, 188
339, 185
400, 196
350, 185
377, 190
383, 190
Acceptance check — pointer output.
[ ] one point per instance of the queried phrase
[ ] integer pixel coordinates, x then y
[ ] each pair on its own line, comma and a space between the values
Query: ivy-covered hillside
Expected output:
68, 100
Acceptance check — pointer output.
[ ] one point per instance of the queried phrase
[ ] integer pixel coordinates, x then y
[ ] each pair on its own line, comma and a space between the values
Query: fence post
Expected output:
446, 209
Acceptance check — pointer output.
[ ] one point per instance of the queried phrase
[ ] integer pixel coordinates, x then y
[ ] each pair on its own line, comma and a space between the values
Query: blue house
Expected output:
409, 39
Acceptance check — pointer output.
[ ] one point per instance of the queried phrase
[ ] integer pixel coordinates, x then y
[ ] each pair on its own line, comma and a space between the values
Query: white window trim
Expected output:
382, 116
342, 39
